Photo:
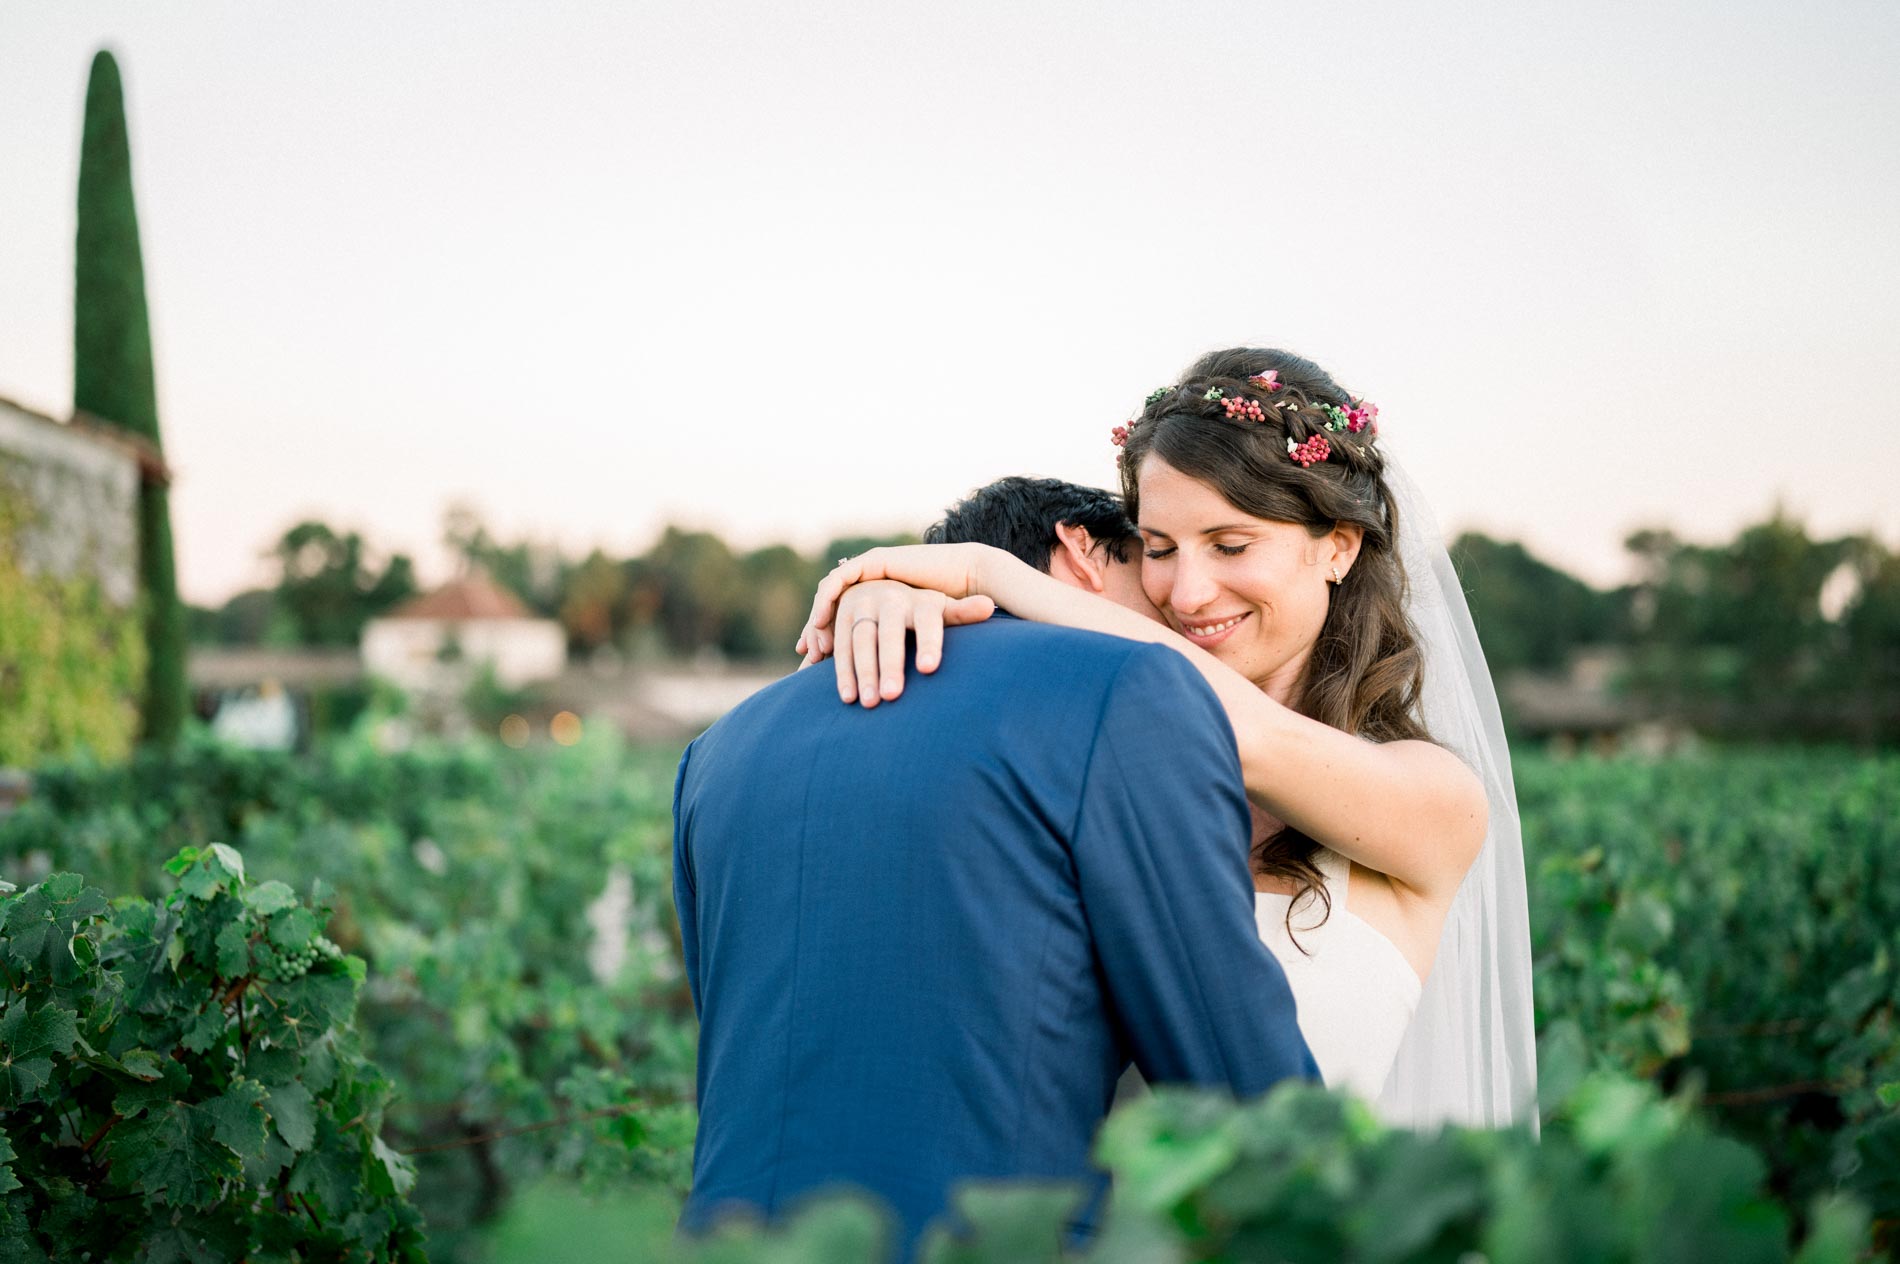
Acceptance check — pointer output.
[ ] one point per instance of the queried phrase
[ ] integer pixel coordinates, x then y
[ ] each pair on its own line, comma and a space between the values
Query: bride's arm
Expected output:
1411, 810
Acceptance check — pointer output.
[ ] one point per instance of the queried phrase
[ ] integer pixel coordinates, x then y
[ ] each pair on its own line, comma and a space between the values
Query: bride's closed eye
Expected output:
1230, 550
1155, 555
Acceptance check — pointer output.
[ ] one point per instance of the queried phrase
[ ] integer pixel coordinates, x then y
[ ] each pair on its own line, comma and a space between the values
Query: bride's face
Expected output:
1251, 591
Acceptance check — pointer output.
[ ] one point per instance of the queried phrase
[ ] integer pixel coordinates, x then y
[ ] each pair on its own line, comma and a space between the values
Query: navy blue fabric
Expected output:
925, 940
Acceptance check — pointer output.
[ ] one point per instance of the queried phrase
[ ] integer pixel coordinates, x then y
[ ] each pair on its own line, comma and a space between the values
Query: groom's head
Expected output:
1079, 535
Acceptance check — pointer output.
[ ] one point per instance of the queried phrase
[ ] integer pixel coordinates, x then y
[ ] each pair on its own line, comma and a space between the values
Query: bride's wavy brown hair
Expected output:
1365, 670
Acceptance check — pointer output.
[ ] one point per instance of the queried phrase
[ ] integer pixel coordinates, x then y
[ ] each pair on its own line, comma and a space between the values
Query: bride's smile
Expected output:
1250, 591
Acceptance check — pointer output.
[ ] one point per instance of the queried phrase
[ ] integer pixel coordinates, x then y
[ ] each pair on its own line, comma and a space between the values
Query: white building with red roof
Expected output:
439, 640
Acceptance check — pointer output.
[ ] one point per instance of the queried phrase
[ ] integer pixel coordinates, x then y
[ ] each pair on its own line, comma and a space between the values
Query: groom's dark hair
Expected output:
1020, 515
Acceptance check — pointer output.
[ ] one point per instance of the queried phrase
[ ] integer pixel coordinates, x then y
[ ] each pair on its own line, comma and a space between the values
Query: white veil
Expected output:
1470, 1056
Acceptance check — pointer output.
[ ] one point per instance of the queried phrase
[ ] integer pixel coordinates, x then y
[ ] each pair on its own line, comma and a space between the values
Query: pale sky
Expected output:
788, 270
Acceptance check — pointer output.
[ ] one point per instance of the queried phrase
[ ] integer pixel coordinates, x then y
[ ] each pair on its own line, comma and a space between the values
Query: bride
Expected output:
1300, 573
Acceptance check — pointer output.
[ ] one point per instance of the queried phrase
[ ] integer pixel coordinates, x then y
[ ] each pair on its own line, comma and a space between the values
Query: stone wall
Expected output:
81, 488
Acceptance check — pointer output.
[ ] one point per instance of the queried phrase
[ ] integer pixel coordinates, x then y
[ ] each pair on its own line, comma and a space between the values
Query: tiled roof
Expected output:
473, 597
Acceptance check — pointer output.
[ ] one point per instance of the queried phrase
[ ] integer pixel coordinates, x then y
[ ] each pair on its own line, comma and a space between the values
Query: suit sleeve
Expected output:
1160, 845
685, 899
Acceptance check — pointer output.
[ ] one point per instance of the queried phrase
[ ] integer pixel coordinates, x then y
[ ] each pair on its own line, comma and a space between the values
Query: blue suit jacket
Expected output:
925, 940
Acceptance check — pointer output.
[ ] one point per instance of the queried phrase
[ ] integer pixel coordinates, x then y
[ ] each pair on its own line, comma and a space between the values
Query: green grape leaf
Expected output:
142, 1064
28, 1044
171, 1153
205, 1029
237, 1117
1157, 1161
42, 923
1422, 1195
212, 873
330, 1172
17, 1242
227, 859
207, 1239
392, 1173
290, 1110
234, 950
264, 1169
270, 897
1837, 1231
293, 929
1006, 1222
135, 1099
8, 1181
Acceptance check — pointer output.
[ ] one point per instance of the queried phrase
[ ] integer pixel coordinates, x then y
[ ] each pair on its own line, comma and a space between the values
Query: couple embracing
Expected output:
1207, 779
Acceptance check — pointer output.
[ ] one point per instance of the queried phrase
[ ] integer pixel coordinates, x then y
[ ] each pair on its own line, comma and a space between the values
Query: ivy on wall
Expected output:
72, 664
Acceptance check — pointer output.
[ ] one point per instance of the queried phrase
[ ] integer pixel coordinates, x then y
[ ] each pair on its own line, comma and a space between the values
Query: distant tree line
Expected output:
1774, 634
689, 594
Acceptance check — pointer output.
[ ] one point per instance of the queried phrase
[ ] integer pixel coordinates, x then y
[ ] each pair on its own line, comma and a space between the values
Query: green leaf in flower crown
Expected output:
28, 1044
270, 897
290, 1110
237, 1117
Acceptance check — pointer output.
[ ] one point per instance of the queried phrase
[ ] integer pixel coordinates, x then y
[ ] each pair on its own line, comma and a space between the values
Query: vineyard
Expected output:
370, 1004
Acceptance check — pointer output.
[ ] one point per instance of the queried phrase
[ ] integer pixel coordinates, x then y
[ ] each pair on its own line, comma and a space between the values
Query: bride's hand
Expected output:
877, 613
955, 570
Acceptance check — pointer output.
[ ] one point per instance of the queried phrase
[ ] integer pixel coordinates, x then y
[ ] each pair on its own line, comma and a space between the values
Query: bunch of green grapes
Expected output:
298, 964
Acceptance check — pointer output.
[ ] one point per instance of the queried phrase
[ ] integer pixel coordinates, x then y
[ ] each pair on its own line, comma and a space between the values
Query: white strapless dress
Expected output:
1355, 990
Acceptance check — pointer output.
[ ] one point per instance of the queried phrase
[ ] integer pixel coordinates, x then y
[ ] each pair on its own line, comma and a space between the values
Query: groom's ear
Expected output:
1076, 560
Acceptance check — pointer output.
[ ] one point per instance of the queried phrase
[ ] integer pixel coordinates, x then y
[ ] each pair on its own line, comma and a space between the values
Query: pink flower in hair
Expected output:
1310, 453
1362, 416
1268, 381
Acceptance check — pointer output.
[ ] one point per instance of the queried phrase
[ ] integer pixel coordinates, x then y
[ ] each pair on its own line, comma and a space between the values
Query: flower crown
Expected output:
1357, 417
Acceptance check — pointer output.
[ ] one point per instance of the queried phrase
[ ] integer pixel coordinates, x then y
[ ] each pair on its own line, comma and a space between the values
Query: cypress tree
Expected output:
112, 374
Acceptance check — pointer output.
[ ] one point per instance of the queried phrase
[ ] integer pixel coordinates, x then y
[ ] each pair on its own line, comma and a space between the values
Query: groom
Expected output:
925, 940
